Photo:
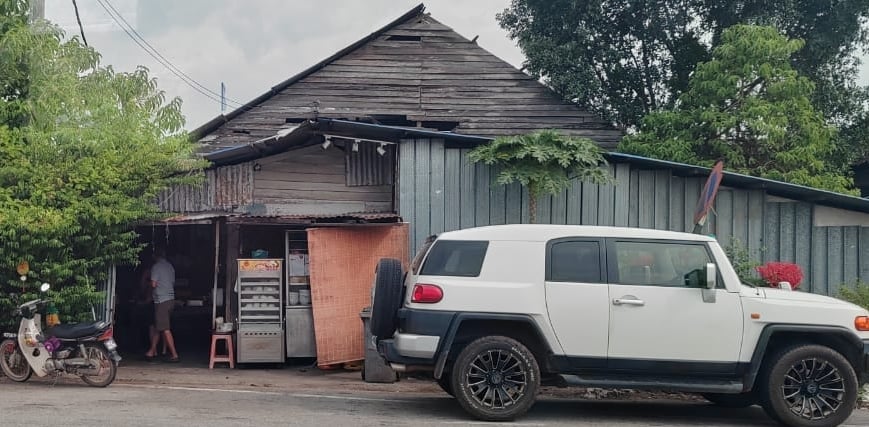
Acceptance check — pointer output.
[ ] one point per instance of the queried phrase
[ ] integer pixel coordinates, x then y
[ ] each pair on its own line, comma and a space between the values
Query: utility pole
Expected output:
222, 98
37, 10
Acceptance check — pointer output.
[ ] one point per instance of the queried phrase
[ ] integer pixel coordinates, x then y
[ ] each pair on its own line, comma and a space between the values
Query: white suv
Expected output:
494, 311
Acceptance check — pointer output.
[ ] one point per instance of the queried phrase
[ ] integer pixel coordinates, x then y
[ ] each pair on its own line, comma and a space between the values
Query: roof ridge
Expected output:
218, 121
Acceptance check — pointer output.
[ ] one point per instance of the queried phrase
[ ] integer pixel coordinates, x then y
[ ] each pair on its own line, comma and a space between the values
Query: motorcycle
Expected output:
87, 350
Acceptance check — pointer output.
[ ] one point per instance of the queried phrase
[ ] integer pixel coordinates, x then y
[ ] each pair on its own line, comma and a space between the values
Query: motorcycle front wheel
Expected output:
13, 363
102, 363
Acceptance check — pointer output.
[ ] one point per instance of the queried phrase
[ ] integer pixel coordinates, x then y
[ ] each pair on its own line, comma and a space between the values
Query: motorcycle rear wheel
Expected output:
108, 369
13, 363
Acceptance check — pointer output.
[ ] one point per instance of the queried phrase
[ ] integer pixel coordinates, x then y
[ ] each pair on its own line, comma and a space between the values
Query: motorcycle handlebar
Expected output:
26, 309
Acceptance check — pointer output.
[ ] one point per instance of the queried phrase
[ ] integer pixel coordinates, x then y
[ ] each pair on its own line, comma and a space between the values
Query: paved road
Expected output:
38, 403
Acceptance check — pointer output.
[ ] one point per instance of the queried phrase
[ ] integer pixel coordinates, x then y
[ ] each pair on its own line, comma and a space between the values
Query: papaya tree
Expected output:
544, 162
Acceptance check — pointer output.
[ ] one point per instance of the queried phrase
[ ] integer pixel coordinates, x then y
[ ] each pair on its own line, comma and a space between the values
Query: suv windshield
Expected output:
462, 258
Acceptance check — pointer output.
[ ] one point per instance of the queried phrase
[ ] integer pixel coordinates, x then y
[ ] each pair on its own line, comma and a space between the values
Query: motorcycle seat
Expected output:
76, 330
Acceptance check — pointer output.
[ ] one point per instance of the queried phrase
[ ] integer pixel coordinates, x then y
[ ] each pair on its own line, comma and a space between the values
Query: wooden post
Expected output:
216, 271
232, 247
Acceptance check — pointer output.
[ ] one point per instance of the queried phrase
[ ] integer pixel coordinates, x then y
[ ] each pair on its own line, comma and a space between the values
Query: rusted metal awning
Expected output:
320, 219
190, 219
240, 218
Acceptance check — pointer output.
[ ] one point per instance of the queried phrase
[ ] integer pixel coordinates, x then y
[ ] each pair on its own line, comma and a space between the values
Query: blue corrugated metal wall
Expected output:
440, 190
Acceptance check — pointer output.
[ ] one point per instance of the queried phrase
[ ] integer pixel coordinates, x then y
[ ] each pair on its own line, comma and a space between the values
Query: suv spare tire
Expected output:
387, 298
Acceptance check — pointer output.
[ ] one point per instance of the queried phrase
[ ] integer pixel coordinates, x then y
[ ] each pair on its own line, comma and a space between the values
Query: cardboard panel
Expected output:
342, 262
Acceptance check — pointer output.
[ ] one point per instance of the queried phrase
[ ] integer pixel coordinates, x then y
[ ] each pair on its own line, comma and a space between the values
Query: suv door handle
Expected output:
628, 301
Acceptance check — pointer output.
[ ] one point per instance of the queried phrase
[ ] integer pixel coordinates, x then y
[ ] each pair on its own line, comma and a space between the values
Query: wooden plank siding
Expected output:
769, 228
441, 77
312, 180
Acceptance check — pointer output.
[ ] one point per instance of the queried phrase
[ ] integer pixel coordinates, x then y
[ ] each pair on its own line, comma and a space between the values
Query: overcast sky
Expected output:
252, 45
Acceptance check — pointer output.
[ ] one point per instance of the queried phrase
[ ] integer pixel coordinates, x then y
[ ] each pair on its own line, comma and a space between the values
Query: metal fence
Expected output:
441, 190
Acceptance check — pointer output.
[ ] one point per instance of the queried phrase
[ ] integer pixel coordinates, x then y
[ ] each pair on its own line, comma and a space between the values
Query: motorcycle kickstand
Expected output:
56, 376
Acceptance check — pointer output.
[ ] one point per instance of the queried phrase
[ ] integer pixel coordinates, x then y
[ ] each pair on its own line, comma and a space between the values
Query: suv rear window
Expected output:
462, 258
420, 254
575, 261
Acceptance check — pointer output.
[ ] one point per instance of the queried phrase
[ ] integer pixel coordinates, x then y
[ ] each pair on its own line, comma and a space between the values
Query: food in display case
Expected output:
260, 314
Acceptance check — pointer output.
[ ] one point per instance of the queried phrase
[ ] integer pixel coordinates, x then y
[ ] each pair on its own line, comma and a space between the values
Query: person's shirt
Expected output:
164, 274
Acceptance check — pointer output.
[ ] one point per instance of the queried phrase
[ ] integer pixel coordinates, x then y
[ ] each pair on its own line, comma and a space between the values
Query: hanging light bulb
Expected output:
356, 145
327, 142
380, 149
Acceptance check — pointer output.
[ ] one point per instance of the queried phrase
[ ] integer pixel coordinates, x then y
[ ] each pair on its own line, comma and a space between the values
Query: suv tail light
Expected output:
862, 323
426, 294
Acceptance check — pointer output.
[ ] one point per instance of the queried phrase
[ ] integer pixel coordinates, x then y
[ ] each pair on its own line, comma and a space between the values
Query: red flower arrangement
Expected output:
774, 272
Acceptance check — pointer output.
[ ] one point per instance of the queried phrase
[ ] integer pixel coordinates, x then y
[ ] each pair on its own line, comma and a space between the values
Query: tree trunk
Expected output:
532, 207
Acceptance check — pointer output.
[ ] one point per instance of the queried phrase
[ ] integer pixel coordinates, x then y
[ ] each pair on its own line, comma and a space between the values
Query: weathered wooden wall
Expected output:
313, 181
440, 190
307, 181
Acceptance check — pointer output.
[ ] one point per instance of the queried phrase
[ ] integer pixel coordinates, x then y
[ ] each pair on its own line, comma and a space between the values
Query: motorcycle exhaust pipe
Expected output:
88, 371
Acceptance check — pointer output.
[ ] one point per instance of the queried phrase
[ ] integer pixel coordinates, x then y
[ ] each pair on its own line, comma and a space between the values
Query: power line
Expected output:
170, 64
157, 56
80, 27
111, 15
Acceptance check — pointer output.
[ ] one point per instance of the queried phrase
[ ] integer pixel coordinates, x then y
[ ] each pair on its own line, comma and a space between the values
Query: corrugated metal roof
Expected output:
366, 166
222, 189
359, 216
319, 218
736, 180
396, 134
282, 140
195, 218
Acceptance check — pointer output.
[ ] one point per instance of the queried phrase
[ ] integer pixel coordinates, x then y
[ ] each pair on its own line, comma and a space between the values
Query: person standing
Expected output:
163, 284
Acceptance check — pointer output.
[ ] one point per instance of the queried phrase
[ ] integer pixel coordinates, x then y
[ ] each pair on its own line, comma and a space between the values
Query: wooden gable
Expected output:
416, 72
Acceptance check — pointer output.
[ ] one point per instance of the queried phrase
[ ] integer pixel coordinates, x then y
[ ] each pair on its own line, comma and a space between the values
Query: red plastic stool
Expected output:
229, 357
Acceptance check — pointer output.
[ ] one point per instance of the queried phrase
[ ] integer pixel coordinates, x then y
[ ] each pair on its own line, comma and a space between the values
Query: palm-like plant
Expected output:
544, 162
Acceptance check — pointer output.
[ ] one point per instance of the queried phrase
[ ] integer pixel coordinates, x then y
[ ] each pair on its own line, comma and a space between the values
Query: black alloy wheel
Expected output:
495, 378
809, 386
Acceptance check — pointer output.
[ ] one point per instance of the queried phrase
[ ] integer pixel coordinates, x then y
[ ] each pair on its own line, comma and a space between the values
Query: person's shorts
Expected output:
163, 315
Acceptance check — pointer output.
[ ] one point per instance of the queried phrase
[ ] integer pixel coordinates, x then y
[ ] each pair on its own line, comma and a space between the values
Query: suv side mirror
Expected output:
711, 276
711, 282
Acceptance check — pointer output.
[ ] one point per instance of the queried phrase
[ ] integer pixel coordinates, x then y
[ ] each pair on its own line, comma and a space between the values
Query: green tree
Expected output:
749, 107
13, 71
81, 162
543, 162
627, 58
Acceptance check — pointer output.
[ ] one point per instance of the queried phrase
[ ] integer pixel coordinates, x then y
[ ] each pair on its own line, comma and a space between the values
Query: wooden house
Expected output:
374, 139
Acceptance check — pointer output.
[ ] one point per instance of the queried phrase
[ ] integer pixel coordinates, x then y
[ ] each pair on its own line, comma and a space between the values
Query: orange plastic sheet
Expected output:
342, 262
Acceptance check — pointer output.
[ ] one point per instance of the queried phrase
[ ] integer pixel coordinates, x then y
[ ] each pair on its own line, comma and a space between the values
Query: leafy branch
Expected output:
544, 162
